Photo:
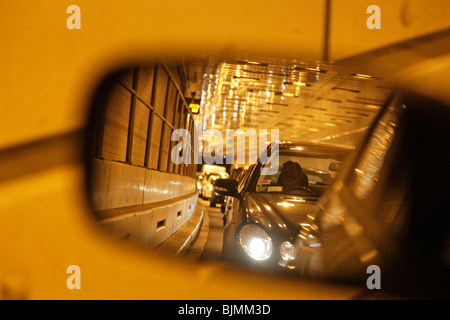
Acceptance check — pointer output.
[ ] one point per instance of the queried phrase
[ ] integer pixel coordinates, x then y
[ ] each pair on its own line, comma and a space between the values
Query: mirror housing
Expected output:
226, 187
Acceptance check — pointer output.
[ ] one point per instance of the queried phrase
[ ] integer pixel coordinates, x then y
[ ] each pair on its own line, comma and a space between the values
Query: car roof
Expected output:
314, 146
314, 149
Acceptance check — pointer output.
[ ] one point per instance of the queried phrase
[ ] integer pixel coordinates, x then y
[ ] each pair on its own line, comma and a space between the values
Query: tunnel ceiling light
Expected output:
265, 72
341, 120
278, 104
246, 78
346, 89
256, 63
361, 76
358, 109
373, 106
310, 69
283, 82
297, 83
357, 113
272, 111
301, 84
329, 99
313, 69
285, 203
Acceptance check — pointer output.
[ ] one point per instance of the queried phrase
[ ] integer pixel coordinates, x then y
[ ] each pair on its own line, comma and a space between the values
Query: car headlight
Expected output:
287, 251
255, 242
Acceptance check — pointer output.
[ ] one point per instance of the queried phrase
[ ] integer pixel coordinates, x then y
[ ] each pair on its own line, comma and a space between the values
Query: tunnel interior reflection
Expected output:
306, 100
140, 194
158, 187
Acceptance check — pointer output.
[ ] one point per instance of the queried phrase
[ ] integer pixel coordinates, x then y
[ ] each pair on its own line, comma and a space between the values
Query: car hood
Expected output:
281, 211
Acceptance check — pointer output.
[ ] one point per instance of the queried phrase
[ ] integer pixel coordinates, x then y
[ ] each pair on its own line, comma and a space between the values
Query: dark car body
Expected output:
217, 198
259, 201
387, 207
207, 185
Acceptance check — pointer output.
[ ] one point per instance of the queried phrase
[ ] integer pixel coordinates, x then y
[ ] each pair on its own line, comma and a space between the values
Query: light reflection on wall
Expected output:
373, 159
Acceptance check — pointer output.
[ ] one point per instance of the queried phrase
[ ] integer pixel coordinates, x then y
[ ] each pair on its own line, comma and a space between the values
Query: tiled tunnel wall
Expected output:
137, 192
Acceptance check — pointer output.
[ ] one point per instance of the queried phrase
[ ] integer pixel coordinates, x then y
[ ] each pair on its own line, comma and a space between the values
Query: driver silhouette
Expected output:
292, 176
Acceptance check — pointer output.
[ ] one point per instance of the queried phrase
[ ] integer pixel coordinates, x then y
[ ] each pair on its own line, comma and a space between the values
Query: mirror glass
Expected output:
162, 132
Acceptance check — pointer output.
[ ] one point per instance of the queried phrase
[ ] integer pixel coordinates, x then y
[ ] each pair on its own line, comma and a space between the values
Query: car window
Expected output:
388, 211
245, 178
320, 177
373, 157
304, 172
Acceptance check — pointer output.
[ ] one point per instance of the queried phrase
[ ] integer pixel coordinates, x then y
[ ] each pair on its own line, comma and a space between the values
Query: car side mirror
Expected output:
226, 187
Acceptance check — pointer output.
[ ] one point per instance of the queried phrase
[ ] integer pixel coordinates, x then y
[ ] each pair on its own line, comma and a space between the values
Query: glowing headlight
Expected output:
255, 242
287, 251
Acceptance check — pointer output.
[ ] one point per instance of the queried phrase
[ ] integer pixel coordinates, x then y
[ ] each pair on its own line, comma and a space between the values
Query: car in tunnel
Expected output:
207, 171
387, 208
217, 198
267, 208
208, 184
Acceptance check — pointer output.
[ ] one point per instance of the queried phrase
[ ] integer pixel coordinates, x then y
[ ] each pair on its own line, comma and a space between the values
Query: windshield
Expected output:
299, 173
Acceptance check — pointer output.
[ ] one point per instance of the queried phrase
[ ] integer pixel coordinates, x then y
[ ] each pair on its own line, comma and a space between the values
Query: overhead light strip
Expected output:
346, 89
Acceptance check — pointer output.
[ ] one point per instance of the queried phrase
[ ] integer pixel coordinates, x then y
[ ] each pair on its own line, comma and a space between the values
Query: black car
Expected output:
387, 210
220, 198
272, 200
217, 198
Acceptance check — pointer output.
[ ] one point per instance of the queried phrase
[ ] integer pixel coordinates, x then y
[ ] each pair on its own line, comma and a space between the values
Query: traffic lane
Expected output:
213, 247
208, 245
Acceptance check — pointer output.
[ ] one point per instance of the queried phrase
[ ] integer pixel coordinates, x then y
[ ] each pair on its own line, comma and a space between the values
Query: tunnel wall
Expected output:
137, 192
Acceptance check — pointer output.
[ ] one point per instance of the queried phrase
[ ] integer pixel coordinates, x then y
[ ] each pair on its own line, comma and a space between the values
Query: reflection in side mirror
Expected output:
150, 169
226, 187
145, 191
334, 166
